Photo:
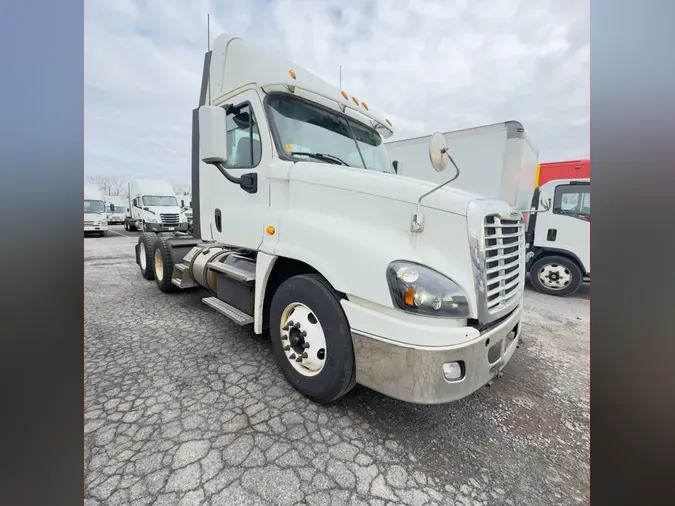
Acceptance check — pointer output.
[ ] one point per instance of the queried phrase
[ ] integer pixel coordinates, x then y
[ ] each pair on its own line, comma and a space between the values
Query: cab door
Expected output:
231, 214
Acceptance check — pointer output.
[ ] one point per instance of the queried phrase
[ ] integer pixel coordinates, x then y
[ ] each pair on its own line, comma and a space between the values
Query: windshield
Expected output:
303, 127
159, 201
117, 209
94, 206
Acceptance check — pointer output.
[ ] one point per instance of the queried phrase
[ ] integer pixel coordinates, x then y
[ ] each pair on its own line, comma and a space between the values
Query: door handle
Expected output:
219, 220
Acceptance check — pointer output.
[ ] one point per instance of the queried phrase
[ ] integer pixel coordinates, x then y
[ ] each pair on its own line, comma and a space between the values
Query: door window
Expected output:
244, 148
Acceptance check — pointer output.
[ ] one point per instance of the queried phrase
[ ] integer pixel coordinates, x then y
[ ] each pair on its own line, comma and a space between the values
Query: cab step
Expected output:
233, 272
238, 317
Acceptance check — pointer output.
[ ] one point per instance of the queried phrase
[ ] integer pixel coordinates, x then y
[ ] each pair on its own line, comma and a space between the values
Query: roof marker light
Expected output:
365, 106
292, 73
389, 122
356, 100
344, 94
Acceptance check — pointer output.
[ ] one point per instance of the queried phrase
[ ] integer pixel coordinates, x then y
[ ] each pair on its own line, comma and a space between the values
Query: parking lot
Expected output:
184, 407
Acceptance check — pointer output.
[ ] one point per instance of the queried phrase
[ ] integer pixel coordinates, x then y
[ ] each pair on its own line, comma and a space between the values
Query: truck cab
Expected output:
559, 256
303, 229
153, 207
95, 214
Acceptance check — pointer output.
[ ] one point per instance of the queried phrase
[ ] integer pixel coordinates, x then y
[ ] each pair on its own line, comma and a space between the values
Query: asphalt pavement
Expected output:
184, 407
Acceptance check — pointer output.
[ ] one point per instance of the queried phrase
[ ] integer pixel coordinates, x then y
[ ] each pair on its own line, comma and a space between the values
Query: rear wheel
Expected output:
311, 338
556, 275
163, 265
145, 251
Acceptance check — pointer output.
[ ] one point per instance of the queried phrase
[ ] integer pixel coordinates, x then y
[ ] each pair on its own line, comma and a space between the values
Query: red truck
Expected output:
572, 169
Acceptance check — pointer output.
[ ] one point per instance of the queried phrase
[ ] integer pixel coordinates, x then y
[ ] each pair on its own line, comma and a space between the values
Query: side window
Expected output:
244, 148
572, 199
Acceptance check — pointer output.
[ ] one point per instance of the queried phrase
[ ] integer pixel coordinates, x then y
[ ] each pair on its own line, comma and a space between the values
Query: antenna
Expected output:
340, 76
208, 49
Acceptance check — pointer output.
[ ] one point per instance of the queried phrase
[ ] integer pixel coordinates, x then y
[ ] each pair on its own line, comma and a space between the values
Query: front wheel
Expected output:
311, 338
556, 275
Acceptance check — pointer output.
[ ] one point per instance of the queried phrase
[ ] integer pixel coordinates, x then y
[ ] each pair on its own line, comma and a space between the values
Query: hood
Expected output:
381, 184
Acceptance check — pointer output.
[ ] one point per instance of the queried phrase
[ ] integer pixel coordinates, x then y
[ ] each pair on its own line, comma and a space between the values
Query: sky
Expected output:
428, 65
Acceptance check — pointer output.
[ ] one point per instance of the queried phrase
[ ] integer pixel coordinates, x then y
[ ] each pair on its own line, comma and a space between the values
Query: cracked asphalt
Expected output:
183, 407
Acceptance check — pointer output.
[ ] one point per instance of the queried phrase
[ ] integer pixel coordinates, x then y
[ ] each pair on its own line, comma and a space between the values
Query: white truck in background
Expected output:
185, 202
153, 207
95, 216
117, 208
302, 228
500, 161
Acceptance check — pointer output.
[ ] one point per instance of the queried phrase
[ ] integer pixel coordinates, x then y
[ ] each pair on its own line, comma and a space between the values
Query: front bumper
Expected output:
95, 228
414, 373
158, 227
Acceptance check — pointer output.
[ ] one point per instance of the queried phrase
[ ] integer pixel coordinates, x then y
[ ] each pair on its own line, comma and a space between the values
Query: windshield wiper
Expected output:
320, 156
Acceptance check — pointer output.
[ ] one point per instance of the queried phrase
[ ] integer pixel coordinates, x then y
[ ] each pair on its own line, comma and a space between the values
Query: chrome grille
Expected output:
497, 245
504, 241
169, 219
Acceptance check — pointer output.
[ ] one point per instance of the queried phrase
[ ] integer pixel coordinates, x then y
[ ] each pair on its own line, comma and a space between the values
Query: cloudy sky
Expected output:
428, 64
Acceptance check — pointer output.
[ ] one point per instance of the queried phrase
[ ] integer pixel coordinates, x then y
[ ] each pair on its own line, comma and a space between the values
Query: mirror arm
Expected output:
228, 176
417, 224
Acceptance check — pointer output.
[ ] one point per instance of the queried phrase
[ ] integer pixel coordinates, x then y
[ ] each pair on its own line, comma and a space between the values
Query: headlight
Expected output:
421, 290
151, 219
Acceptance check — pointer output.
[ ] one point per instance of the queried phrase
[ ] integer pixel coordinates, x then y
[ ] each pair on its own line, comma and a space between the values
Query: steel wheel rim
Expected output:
555, 276
143, 257
302, 339
159, 265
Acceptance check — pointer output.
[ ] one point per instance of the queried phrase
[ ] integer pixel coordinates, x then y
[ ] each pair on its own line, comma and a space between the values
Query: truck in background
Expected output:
117, 208
503, 163
570, 169
302, 227
95, 216
153, 207
185, 202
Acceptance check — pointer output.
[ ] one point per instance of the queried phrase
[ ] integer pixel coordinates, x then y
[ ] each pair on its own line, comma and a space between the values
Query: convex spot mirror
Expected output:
437, 150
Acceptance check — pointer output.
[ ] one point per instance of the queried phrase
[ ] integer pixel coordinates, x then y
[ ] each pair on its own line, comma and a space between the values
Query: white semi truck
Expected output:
117, 208
302, 227
500, 161
95, 216
153, 207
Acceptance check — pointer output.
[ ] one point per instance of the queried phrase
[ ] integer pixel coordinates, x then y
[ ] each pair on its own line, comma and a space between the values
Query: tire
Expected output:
162, 264
313, 295
556, 275
146, 244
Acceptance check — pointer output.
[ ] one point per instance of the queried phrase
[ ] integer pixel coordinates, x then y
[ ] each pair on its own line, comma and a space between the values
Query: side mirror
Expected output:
545, 204
212, 134
395, 165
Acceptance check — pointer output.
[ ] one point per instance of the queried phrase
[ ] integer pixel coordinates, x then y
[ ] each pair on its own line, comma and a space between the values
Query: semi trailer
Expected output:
500, 161
302, 229
95, 215
153, 207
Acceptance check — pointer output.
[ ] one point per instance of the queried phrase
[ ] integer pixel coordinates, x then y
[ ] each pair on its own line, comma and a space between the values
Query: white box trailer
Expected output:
117, 208
496, 161
500, 161
154, 207
95, 217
